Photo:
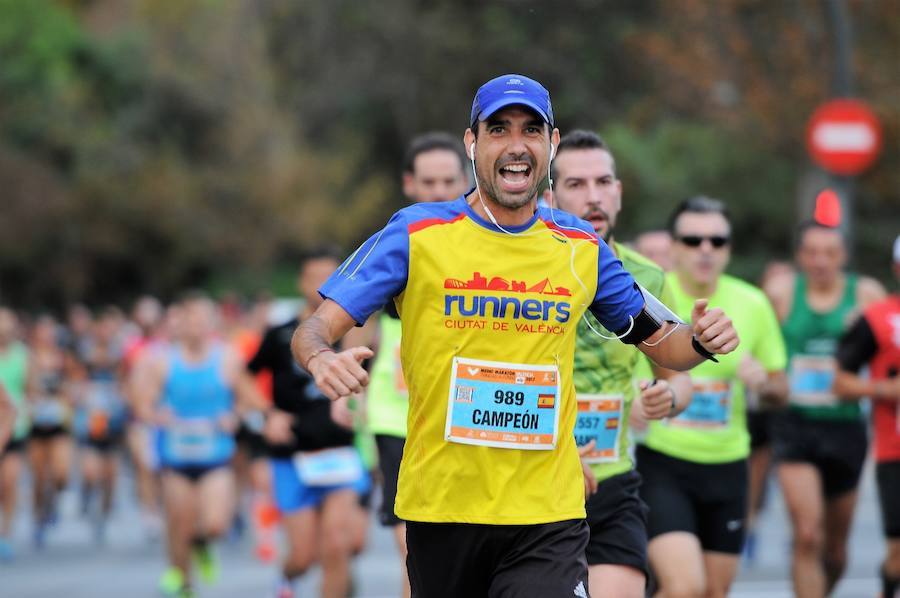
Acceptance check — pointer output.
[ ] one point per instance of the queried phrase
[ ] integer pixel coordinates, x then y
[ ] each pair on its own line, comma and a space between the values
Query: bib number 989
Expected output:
509, 397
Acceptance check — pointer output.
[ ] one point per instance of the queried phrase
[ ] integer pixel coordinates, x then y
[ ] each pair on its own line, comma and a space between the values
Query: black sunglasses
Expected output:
716, 241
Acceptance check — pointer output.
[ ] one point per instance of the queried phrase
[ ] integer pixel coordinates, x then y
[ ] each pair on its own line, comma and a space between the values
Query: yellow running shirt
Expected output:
489, 323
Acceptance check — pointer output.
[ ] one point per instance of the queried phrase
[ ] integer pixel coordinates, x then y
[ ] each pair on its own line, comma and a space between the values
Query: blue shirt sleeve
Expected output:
374, 274
617, 295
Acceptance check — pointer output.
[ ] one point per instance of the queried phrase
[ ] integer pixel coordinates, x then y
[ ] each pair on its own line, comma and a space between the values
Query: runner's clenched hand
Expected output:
340, 374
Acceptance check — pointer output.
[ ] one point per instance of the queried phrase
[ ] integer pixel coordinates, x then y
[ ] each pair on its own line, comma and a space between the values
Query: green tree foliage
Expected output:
149, 145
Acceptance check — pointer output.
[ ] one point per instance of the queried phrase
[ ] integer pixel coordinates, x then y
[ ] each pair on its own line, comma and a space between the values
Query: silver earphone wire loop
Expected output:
558, 225
665, 336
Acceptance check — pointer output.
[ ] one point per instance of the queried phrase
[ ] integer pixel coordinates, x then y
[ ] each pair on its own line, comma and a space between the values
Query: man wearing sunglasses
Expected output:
694, 465
820, 442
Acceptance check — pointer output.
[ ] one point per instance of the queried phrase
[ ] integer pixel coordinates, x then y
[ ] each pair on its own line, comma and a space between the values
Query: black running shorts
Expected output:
459, 560
707, 500
14, 446
836, 448
390, 452
617, 518
759, 424
251, 441
888, 476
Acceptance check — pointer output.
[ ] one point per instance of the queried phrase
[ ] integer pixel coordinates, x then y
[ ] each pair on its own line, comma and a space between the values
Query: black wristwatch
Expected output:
702, 350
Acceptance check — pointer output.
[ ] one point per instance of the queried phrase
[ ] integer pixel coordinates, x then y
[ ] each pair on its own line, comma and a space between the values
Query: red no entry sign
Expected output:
844, 137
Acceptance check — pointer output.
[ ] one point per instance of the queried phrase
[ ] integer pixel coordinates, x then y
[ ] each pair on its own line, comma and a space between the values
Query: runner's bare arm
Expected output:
246, 393
7, 416
780, 291
668, 397
869, 291
771, 386
31, 380
147, 385
336, 374
774, 392
674, 349
849, 385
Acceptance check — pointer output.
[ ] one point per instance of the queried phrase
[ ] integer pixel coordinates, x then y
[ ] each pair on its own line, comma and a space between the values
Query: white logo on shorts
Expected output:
580, 591
734, 525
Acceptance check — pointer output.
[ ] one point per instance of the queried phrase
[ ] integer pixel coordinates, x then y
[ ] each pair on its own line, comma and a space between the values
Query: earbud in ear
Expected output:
472, 151
552, 151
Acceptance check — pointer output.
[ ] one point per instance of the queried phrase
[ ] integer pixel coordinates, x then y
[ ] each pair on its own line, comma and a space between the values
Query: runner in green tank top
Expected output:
13, 378
820, 443
604, 376
694, 465
433, 170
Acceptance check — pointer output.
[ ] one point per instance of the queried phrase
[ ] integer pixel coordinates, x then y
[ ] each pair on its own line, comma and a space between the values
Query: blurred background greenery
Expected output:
150, 145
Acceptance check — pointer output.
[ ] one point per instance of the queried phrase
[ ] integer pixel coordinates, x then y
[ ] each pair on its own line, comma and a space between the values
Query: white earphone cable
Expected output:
572, 242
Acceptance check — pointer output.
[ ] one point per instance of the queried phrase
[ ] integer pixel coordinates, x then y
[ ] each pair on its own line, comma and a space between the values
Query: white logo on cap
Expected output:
514, 81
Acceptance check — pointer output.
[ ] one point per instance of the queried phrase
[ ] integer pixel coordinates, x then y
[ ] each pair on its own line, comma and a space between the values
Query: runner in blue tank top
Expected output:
192, 390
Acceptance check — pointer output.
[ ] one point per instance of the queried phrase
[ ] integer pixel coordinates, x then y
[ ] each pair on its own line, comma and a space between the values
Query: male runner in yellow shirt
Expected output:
490, 289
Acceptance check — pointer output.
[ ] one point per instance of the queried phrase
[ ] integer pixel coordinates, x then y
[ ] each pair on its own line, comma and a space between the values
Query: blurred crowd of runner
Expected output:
224, 432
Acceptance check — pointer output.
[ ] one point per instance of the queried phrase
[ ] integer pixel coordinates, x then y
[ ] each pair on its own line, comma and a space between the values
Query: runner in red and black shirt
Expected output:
874, 341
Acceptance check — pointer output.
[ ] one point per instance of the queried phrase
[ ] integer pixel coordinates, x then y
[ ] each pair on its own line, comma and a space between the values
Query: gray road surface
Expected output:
128, 566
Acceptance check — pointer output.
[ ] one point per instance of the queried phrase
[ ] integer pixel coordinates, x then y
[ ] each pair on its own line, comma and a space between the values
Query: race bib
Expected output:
710, 407
105, 410
503, 405
329, 467
192, 440
811, 378
600, 420
98, 424
48, 412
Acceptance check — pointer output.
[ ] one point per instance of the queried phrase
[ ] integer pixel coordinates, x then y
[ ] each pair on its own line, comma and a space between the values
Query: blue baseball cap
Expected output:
511, 90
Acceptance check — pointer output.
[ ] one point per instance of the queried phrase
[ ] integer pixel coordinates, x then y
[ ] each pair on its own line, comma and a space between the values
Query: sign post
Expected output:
843, 137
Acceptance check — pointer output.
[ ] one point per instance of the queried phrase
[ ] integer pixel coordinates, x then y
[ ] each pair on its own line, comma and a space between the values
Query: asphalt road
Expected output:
73, 567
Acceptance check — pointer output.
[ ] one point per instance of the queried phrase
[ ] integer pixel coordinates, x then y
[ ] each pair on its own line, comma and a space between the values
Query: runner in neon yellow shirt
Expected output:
585, 184
433, 170
694, 465
490, 289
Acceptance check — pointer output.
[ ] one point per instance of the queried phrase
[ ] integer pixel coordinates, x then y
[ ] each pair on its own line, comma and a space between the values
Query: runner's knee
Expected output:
215, 529
336, 544
808, 539
299, 559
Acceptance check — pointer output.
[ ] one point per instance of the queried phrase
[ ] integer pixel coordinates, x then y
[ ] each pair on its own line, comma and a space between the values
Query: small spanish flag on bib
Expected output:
546, 401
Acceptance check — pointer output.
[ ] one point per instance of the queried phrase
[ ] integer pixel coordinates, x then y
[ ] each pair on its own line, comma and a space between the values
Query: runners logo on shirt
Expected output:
476, 305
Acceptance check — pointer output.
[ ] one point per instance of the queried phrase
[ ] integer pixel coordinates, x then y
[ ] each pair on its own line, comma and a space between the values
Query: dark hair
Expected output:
580, 139
323, 252
699, 204
811, 224
193, 296
427, 142
109, 311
